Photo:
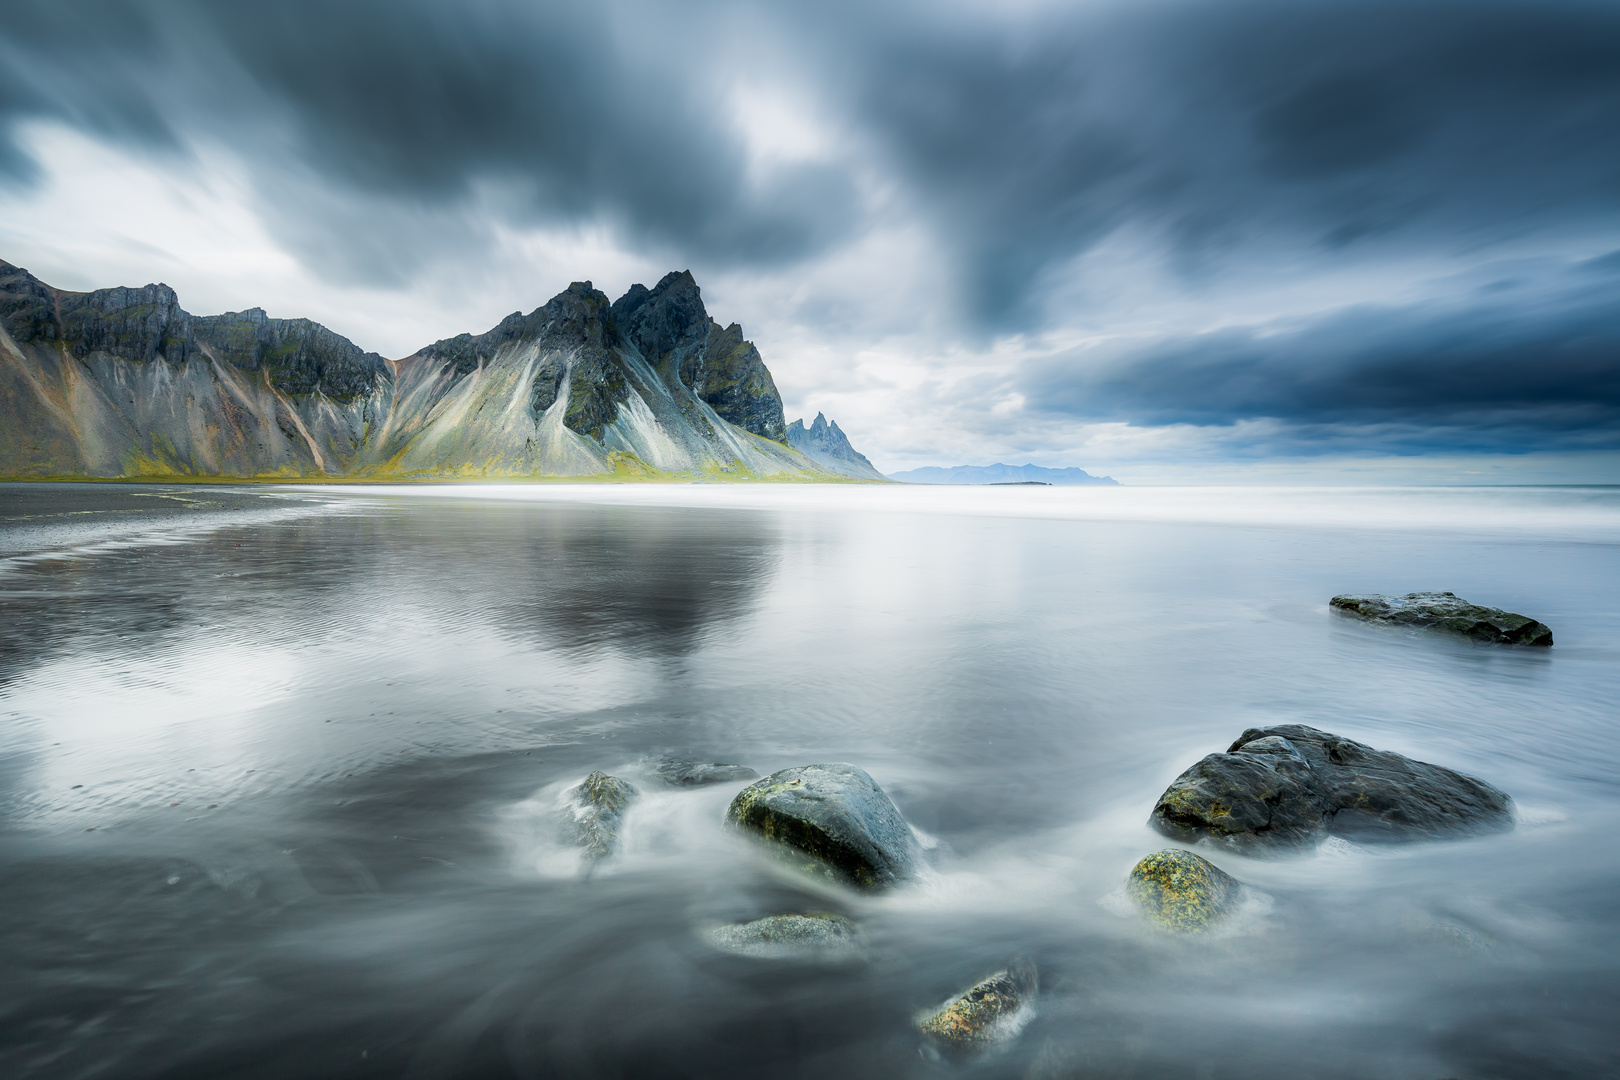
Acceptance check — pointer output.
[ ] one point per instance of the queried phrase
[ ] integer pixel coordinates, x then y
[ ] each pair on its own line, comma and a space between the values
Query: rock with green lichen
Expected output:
594, 813
832, 821
992, 1011
1289, 786
1182, 891
1447, 611
780, 937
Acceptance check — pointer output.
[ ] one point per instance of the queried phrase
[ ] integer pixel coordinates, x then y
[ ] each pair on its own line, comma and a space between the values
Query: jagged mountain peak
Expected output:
664, 323
825, 443
666, 327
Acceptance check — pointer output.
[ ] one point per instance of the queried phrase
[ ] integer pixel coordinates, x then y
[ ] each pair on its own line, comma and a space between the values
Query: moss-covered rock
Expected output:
1449, 612
832, 821
594, 815
1182, 891
990, 1012
778, 937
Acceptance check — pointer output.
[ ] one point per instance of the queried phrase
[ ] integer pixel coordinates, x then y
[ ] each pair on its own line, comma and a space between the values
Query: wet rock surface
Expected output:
594, 815
699, 773
1182, 891
1449, 612
1289, 786
832, 820
990, 1012
780, 937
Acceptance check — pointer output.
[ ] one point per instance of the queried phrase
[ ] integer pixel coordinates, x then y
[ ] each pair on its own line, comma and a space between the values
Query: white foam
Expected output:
1535, 816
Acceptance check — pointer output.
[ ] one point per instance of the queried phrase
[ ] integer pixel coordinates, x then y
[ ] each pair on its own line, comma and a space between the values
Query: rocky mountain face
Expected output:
826, 445
124, 382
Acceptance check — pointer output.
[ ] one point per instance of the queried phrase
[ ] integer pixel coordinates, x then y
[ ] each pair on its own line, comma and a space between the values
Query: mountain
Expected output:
124, 382
998, 474
825, 444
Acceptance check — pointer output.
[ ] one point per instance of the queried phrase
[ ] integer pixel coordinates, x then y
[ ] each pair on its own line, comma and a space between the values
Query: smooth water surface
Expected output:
280, 771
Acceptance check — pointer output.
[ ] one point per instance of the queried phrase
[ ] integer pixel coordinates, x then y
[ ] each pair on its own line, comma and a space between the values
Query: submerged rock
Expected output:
1289, 786
1182, 891
992, 1011
595, 813
1447, 611
787, 936
699, 773
832, 820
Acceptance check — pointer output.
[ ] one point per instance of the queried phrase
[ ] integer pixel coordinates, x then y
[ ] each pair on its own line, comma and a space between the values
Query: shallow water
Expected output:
280, 769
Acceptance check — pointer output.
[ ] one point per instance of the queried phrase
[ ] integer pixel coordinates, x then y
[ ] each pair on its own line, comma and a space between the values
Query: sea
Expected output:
282, 771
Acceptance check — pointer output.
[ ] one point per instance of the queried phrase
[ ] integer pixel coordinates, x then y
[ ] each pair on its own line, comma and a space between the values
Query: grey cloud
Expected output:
568, 109
1021, 139
1511, 364
1240, 127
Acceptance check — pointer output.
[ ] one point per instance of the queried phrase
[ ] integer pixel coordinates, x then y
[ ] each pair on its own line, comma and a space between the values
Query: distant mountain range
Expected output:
125, 383
999, 474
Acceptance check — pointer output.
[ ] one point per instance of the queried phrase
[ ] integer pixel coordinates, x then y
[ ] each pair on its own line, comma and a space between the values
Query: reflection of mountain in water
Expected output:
75, 601
571, 577
643, 580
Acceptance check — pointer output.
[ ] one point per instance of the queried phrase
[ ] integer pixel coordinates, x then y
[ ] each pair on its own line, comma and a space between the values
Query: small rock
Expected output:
831, 820
699, 773
1290, 786
779, 937
1447, 611
993, 1011
1182, 891
595, 813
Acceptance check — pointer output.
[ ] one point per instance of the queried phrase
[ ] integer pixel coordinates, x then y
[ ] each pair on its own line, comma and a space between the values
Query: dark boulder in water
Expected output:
1182, 891
594, 815
832, 820
1290, 786
990, 1012
1447, 611
779, 937
698, 773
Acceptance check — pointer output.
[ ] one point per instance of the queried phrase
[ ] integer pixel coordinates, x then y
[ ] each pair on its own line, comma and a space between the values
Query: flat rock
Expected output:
698, 773
779, 937
1182, 891
1290, 786
990, 1012
831, 820
1447, 611
594, 813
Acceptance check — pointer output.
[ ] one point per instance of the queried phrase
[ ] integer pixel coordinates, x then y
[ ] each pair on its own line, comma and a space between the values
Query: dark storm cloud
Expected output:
587, 113
1236, 133
1514, 363
1024, 139
1240, 126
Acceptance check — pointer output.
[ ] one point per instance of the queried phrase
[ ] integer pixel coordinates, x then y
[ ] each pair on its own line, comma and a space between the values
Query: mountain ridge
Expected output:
1000, 473
123, 382
826, 444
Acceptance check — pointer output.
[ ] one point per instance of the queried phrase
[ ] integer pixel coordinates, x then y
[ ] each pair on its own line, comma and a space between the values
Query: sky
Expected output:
1213, 241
